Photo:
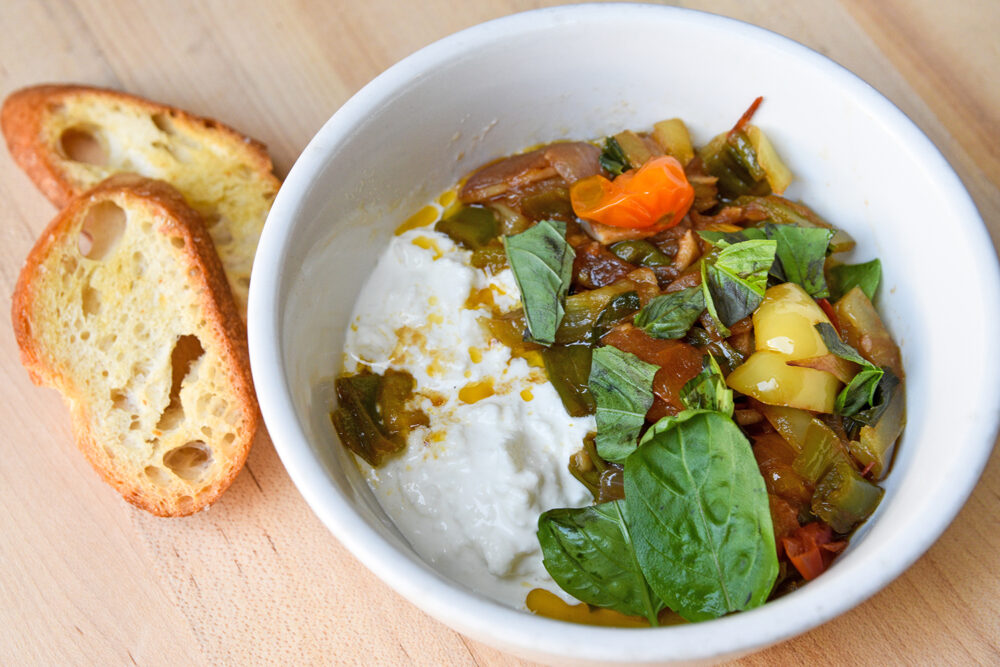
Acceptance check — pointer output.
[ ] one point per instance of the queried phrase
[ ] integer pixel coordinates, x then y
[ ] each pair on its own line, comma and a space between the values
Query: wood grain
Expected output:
257, 579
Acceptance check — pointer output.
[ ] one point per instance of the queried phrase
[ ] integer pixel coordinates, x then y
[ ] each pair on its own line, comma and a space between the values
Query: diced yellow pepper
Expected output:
766, 377
784, 323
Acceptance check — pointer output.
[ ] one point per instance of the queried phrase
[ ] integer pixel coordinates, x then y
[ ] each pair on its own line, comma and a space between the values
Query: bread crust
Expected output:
224, 328
24, 114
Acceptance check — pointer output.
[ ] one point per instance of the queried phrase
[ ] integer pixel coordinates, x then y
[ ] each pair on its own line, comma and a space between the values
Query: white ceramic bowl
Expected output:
583, 72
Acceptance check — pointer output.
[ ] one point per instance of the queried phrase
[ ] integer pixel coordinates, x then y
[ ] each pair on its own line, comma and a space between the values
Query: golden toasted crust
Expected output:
225, 176
164, 279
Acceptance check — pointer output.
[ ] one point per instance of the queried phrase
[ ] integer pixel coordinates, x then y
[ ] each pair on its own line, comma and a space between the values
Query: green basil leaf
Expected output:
734, 280
802, 253
621, 384
613, 158
542, 263
887, 387
861, 390
700, 519
707, 390
845, 277
838, 347
671, 315
589, 553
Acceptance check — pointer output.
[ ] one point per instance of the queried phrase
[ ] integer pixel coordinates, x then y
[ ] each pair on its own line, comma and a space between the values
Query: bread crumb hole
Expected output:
228, 438
163, 123
82, 144
102, 228
119, 400
84, 335
206, 431
190, 461
91, 301
157, 476
177, 241
187, 352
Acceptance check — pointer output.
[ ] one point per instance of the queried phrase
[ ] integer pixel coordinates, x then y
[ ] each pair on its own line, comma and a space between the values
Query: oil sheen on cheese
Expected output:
468, 489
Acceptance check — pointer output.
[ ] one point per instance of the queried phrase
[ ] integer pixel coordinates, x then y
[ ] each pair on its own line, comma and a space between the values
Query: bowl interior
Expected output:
507, 85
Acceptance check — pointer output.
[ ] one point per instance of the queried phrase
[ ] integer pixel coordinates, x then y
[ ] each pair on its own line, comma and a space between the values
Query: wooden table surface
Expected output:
85, 578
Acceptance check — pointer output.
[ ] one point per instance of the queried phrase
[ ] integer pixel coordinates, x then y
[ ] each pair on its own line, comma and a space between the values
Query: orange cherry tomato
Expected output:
656, 192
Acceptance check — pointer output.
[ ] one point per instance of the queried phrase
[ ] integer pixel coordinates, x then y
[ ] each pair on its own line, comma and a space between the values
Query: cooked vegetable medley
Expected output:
747, 395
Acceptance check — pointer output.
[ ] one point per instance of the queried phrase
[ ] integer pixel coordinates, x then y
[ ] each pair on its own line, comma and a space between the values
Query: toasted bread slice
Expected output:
70, 138
122, 306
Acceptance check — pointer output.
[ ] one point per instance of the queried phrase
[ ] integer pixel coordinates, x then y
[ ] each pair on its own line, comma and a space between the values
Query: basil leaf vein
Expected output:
671, 315
621, 385
542, 262
589, 552
700, 518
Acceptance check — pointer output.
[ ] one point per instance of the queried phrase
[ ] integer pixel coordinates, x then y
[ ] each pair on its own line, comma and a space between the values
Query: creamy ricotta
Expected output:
469, 488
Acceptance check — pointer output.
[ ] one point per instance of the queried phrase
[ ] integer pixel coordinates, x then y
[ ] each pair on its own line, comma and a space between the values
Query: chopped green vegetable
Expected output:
634, 149
589, 552
613, 158
674, 138
568, 369
843, 498
745, 154
821, 448
588, 467
729, 161
591, 313
548, 204
671, 315
640, 253
617, 311
734, 280
542, 262
876, 439
708, 390
728, 356
621, 384
371, 418
472, 227
846, 276
699, 517
802, 253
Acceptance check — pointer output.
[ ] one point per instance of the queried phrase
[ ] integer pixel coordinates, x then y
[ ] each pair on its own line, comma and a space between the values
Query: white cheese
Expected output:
468, 489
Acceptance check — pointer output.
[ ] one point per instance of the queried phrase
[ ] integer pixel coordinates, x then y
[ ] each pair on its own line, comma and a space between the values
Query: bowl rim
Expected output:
474, 614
